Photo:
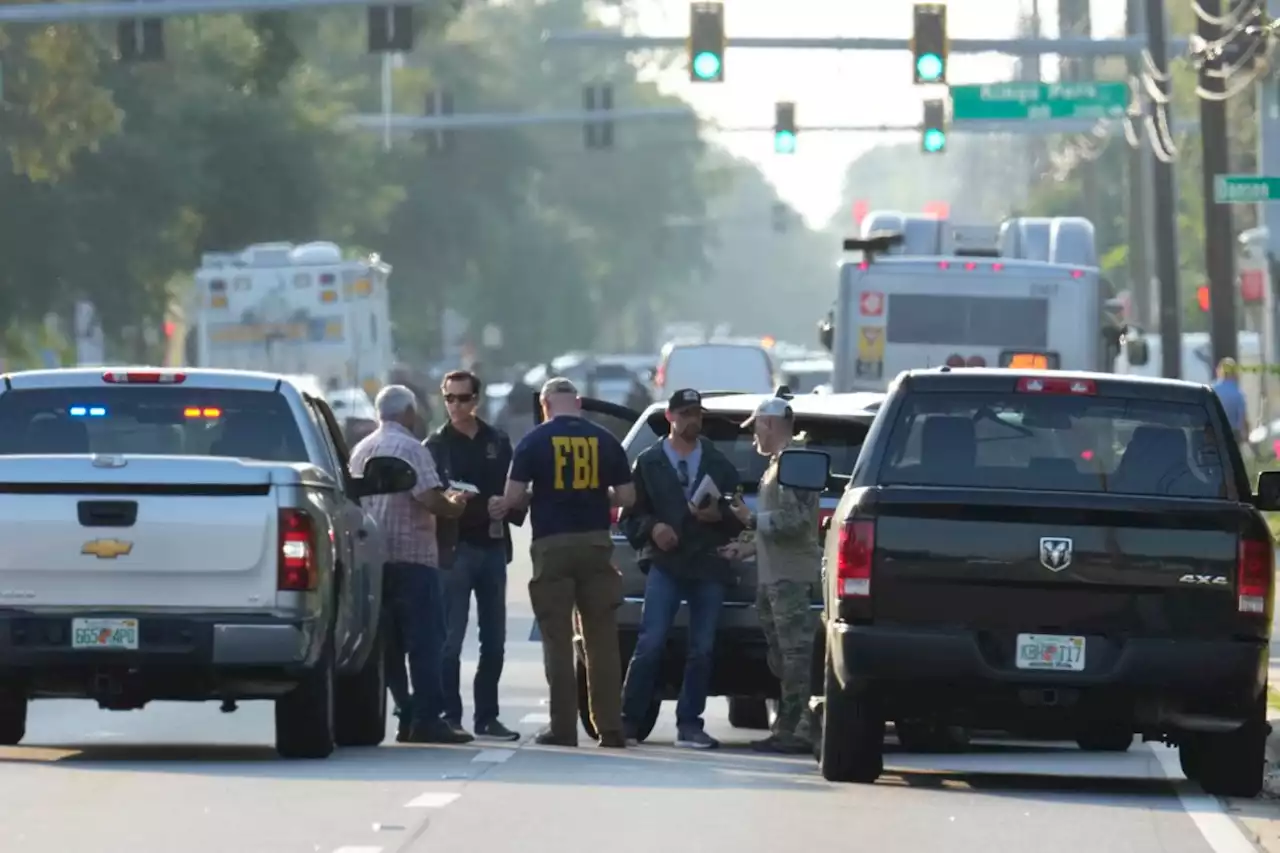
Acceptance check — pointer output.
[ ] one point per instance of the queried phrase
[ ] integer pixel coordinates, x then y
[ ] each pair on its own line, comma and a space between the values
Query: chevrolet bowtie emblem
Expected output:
107, 549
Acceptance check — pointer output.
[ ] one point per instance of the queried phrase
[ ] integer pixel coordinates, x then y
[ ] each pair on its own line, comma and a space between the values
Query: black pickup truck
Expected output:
1064, 555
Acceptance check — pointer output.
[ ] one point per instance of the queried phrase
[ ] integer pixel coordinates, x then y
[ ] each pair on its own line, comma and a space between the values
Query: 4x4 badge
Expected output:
1055, 552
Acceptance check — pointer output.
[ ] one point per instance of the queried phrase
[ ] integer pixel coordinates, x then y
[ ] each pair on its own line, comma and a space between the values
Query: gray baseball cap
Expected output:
771, 407
558, 385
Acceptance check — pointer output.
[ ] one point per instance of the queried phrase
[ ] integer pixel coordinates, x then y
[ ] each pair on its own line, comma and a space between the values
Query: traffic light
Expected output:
1202, 297
706, 42
391, 29
784, 128
934, 138
140, 39
439, 104
598, 134
929, 47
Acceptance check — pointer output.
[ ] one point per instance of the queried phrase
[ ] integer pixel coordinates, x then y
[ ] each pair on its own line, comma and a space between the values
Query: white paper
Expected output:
706, 487
463, 486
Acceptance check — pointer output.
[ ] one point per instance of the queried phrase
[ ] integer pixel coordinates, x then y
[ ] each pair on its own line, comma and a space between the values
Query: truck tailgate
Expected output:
1057, 563
137, 532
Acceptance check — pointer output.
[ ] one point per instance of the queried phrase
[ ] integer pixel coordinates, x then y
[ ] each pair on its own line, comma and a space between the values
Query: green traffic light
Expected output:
929, 66
706, 65
784, 142
934, 140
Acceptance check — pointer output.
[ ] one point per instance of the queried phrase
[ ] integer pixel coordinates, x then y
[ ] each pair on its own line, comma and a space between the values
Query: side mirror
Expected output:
384, 475
806, 470
1267, 495
1136, 351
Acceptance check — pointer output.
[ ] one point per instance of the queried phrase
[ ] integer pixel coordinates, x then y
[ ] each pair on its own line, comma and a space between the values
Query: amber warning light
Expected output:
1029, 360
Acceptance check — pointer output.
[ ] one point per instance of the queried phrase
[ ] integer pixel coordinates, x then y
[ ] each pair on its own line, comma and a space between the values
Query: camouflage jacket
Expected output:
786, 538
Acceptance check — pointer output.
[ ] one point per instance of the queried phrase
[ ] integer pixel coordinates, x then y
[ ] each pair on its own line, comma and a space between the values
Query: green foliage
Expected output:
123, 174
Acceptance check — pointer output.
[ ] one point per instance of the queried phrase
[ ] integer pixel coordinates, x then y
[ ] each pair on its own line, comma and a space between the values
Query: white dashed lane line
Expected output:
432, 800
493, 756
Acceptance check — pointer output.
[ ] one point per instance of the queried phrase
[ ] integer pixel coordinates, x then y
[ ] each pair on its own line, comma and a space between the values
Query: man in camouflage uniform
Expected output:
788, 566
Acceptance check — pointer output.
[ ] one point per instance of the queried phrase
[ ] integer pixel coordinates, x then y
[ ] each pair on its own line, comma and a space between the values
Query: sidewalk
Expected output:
1260, 818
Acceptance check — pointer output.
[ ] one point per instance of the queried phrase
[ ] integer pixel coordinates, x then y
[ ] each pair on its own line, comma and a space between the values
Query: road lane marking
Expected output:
493, 756
1205, 811
431, 800
536, 718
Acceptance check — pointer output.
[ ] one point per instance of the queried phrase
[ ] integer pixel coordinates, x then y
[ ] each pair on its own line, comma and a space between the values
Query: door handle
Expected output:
362, 533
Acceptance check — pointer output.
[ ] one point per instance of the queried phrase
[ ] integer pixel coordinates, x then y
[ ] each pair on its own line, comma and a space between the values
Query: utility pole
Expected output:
439, 140
1163, 204
1138, 209
1219, 241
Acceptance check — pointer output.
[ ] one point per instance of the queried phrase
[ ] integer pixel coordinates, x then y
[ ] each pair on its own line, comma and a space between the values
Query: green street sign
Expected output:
1245, 189
1012, 101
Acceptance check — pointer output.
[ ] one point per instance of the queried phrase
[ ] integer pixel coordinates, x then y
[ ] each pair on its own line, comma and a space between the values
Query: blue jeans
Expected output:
479, 569
662, 596
416, 612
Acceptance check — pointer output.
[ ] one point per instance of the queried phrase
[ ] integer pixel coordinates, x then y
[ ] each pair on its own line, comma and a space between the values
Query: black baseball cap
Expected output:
685, 398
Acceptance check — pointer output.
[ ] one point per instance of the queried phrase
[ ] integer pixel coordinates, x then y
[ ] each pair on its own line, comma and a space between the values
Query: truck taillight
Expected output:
853, 562
1254, 573
1036, 385
143, 377
297, 552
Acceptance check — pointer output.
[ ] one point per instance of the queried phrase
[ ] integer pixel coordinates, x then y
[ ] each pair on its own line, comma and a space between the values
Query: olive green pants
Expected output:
575, 571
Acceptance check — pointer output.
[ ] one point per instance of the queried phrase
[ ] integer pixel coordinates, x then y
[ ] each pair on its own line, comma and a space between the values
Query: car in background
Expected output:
354, 411
743, 366
807, 376
835, 424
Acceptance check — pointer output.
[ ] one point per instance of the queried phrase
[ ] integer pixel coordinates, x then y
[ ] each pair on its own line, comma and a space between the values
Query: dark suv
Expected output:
833, 423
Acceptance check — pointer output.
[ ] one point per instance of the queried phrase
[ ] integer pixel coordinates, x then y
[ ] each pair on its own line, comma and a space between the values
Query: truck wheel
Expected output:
1232, 764
1106, 740
747, 713
584, 702
305, 715
360, 707
852, 734
1190, 751
926, 736
13, 717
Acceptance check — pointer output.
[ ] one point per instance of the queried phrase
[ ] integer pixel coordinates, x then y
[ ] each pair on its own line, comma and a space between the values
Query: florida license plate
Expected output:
104, 633
1050, 651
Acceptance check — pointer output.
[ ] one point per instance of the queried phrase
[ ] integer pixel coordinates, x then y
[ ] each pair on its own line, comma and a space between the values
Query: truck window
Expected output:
1056, 443
841, 439
150, 421
980, 321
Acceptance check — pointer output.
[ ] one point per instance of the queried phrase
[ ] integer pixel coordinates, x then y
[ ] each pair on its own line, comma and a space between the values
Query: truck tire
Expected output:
584, 710
745, 713
305, 716
1233, 764
852, 733
13, 716
1106, 740
360, 706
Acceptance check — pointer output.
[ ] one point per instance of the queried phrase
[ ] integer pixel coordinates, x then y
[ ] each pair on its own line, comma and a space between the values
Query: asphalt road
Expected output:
189, 779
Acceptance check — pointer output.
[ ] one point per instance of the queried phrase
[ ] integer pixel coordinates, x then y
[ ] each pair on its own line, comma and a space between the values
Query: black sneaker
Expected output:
782, 746
546, 737
458, 729
696, 739
612, 740
437, 732
494, 730
402, 728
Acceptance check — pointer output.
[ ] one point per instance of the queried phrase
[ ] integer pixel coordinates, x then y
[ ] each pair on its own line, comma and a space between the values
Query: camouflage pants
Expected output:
789, 626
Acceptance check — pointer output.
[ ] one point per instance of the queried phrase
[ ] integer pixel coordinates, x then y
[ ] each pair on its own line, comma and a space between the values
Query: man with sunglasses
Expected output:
476, 549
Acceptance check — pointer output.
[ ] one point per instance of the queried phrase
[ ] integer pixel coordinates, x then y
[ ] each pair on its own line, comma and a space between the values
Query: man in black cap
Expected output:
678, 525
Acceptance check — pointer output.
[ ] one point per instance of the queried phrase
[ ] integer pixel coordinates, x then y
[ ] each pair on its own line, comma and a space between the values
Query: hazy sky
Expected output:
831, 87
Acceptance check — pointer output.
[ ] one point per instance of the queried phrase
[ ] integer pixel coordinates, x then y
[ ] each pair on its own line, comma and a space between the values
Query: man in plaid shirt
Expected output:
415, 607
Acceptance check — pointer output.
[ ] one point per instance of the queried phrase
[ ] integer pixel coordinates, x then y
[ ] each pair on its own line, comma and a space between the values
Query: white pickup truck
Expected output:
189, 535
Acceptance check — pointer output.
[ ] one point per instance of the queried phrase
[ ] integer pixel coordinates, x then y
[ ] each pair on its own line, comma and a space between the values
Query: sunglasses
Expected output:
459, 398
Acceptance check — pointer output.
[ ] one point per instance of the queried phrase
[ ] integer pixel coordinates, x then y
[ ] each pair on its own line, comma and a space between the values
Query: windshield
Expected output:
713, 367
840, 438
1056, 443
150, 421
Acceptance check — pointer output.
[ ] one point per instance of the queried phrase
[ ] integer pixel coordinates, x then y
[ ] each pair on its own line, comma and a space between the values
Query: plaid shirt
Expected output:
409, 529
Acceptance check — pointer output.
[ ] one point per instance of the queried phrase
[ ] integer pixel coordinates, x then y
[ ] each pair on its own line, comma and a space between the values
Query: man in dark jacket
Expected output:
678, 546
474, 550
